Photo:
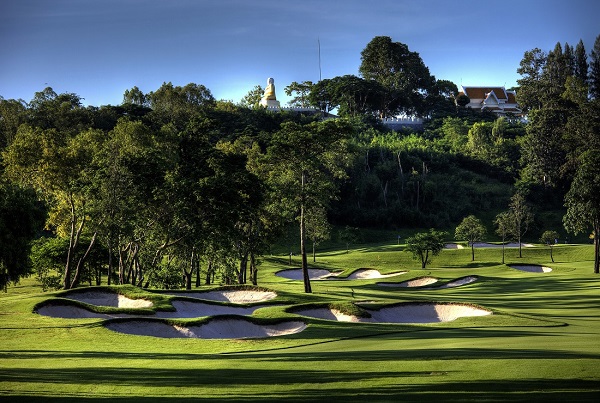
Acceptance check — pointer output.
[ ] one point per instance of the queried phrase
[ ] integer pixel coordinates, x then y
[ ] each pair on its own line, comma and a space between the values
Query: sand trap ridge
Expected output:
232, 296
416, 282
105, 298
313, 274
364, 274
403, 313
532, 268
218, 328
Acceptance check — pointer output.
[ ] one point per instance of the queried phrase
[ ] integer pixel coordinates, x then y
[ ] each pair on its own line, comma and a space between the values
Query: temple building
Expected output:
495, 99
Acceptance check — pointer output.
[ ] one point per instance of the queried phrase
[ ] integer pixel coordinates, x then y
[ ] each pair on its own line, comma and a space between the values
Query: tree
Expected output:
519, 218
472, 230
318, 228
581, 63
503, 223
531, 94
135, 96
253, 97
583, 201
594, 75
549, 238
401, 72
426, 244
303, 162
349, 235
21, 218
300, 93
59, 165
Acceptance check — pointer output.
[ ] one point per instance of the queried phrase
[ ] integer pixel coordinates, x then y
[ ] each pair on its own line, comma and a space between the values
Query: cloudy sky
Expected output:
99, 48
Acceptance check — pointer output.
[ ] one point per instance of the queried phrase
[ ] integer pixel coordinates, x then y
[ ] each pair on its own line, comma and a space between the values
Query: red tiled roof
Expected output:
481, 92
511, 98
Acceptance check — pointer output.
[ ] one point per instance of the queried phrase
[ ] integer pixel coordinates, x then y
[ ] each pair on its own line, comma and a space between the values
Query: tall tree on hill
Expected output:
594, 76
583, 201
532, 85
303, 162
401, 72
581, 62
555, 72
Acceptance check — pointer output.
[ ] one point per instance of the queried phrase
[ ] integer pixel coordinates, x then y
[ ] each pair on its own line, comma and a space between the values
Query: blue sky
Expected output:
99, 48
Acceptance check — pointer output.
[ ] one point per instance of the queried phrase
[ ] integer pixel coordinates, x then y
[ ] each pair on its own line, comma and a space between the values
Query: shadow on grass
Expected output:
530, 390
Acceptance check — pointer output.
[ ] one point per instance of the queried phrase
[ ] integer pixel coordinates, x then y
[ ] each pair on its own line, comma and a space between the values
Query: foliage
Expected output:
472, 230
583, 201
21, 218
426, 244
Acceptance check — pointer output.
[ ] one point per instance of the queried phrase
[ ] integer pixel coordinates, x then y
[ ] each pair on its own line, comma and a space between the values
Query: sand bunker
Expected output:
403, 313
364, 274
313, 274
218, 328
321, 274
532, 268
506, 245
416, 282
232, 296
195, 309
69, 311
488, 245
183, 309
105, 298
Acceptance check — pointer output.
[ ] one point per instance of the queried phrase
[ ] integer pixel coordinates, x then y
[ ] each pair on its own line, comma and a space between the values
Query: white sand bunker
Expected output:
313, 274
532, 268
218, 328
69, 311
416, 282
232, 296
195, 309
403, 313
488, 245
105, 298
363, 274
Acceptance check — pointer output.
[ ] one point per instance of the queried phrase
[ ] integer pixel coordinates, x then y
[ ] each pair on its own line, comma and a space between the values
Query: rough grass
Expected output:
541, 343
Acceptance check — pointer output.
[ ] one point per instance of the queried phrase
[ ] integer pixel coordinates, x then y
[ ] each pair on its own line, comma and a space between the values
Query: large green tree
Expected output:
583, 201
594, 75
21, 219
472, 230
424, 245
303, 163
401, 72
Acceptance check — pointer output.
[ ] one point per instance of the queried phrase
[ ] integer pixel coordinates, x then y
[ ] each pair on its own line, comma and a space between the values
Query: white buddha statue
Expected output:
269, 100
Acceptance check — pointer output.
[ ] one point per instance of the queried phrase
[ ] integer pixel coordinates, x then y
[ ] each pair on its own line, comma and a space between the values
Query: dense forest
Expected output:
174, 188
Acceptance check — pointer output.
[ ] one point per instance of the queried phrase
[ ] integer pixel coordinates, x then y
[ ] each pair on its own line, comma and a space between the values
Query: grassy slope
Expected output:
540, 344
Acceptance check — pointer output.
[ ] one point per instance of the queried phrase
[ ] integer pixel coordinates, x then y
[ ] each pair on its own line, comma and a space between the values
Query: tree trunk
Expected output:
110, 262
73, 241
197, 273
253, 269
307, 287
243, 268
314, 252
472, 251
208, 272
597, 246
81, 261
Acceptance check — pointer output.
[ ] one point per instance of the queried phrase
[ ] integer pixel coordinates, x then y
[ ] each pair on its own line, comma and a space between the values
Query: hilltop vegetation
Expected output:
173, 187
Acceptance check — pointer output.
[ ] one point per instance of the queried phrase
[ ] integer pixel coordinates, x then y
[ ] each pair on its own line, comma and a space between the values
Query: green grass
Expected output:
541, 343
